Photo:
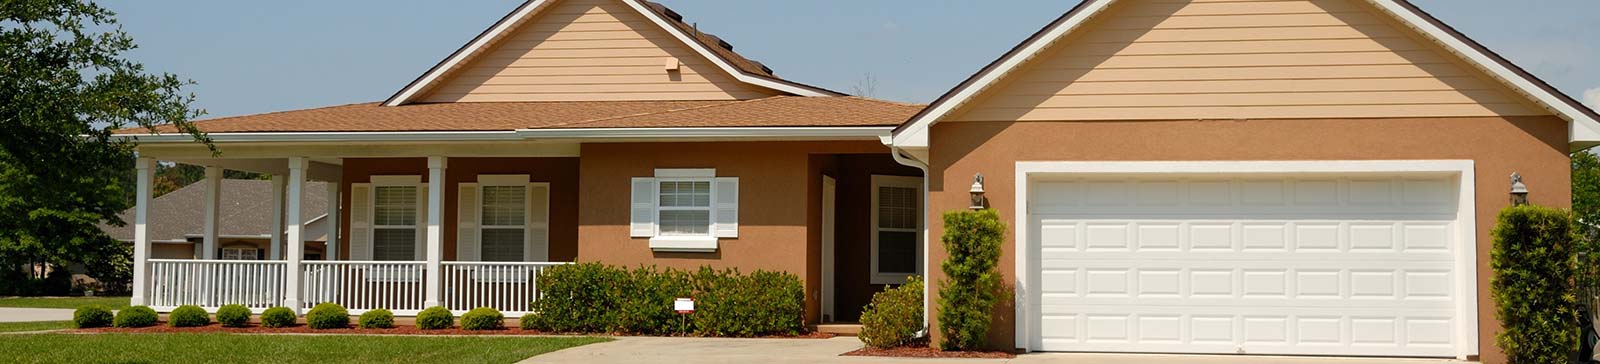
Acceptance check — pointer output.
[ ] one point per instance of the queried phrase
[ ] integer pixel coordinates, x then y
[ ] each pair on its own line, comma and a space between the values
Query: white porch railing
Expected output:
510, 287
361, 286
257, 284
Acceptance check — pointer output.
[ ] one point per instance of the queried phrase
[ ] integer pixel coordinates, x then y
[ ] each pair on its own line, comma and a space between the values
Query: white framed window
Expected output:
685, 209
504, 213
896, 228
396, 217
240, 254
503, 218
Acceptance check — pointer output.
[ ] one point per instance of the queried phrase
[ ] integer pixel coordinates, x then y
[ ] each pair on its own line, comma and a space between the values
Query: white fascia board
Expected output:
717, 133
915, 135
471, 48
1585, 130
721, 63
331, 136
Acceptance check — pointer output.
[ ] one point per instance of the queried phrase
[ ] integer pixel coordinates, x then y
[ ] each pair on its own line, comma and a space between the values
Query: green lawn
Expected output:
115, 303
236, 348
34, 326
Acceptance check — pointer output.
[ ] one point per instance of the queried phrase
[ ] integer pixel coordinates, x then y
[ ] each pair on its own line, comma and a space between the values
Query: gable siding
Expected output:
1209, 59
589, 50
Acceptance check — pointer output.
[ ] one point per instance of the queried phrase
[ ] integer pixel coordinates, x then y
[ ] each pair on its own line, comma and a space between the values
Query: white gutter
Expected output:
859, 132
398, 136
927, 285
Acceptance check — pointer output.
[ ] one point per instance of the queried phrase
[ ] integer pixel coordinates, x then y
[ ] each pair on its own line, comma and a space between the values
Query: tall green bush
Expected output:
596, 298
971, 287
582, 297
894, 316
1534, 260
761, 303
647, 308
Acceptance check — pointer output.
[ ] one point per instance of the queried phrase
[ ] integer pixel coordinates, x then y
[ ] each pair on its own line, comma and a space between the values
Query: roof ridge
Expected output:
669, 111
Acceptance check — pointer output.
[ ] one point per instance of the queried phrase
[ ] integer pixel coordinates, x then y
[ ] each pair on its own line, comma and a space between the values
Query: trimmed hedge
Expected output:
188, 316
376, 319
1534, 259
328, 315
91, 316
526, 322
972, 283
894, 316
136, 316
277, 317
435, 318
233, 316
483, 318
596, 298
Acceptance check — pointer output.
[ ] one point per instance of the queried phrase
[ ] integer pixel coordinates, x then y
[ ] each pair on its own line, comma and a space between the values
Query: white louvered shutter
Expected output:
643, 221
538, 233
467, 245
421, 247
360, 221
726, 207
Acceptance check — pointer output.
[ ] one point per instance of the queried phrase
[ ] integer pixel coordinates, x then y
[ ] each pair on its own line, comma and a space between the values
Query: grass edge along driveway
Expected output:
236, 348
113, 302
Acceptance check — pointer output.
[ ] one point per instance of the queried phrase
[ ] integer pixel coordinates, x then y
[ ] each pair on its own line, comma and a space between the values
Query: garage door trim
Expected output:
1466, 285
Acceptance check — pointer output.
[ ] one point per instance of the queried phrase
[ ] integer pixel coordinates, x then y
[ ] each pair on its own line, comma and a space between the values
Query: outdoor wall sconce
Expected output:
1519, 191
977, 192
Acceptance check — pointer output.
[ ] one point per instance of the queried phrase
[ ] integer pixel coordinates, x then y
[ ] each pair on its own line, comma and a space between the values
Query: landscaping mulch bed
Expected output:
928, 352
398, 330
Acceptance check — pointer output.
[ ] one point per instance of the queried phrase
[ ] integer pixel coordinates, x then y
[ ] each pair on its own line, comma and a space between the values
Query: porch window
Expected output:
505, 223
685, 207
240, 254
896, 228
394, 227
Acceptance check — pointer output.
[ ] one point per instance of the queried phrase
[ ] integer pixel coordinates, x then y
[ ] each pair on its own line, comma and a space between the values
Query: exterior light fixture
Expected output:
977, 192
1519, 191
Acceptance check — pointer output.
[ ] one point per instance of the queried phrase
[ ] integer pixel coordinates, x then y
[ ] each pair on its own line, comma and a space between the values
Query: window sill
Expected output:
893, 279
690, 244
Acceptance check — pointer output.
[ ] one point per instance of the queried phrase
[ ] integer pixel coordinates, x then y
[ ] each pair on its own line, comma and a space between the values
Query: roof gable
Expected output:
1222, 60
595, 50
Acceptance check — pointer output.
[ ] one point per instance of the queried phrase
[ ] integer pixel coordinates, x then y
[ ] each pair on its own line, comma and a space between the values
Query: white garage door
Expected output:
1319, 265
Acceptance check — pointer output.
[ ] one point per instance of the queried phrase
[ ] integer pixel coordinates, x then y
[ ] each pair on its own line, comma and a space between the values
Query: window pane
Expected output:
395, 205
897, 207
897, 252
394, 244
502, 245
505, 205
686, 222
686, 194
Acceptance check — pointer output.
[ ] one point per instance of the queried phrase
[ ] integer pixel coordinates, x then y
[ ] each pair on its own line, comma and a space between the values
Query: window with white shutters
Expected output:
505, 223
394, 225
684, 207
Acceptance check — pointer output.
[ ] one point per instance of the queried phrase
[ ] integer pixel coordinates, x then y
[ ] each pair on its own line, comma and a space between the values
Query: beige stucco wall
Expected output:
1533, 146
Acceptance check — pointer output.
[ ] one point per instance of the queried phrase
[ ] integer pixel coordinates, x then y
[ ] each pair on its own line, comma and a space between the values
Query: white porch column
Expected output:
141, 229
275, 247
295, 242
331, 250
213, 201
435, 248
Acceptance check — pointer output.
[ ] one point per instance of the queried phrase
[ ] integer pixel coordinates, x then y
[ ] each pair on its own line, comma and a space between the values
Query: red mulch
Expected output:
398, 330
922, 350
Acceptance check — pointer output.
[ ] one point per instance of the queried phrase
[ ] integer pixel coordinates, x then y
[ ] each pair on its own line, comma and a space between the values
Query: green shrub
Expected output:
328, 315
277, 317
583, 297
136, 316
435, 318
526, 322
188, 316
376, 319
596, 298
647, 308
483, 318
894, 316
91, 316
1533, 259
762, 303
971, 288
233, 316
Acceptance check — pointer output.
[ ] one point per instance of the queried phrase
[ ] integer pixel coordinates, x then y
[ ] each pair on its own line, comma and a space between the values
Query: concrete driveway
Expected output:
626, 350
15, 314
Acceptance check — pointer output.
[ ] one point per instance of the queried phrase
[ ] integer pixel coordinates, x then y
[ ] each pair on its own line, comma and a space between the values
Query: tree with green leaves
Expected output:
1586, 194
65, 86
972, 277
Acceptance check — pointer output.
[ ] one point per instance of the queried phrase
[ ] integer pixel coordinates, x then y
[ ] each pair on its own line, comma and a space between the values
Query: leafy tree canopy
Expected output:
1586, 193
64, 87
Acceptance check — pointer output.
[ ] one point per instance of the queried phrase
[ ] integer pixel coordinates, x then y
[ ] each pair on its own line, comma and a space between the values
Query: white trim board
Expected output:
1584, 125
592, 134
1466, 221
524, 12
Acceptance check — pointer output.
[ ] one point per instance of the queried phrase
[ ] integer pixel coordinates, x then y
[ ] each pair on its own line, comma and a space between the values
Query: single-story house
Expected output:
244, 225
1287, 177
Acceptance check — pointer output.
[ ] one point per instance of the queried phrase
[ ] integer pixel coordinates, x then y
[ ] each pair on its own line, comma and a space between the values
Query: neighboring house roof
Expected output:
776, 111
246, 212
710, 46
1584, 127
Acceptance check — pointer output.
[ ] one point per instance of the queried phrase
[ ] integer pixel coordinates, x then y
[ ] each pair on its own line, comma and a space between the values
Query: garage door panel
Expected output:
1328, 265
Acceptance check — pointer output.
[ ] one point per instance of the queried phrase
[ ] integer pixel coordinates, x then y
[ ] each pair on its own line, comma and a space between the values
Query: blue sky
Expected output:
259, 56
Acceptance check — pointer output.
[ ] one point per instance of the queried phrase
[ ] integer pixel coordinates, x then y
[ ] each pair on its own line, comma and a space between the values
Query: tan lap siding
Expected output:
1155, 60
589, 50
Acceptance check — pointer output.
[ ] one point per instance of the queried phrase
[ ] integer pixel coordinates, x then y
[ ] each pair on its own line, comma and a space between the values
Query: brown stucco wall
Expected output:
561, 173
1533, 146
777, 188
